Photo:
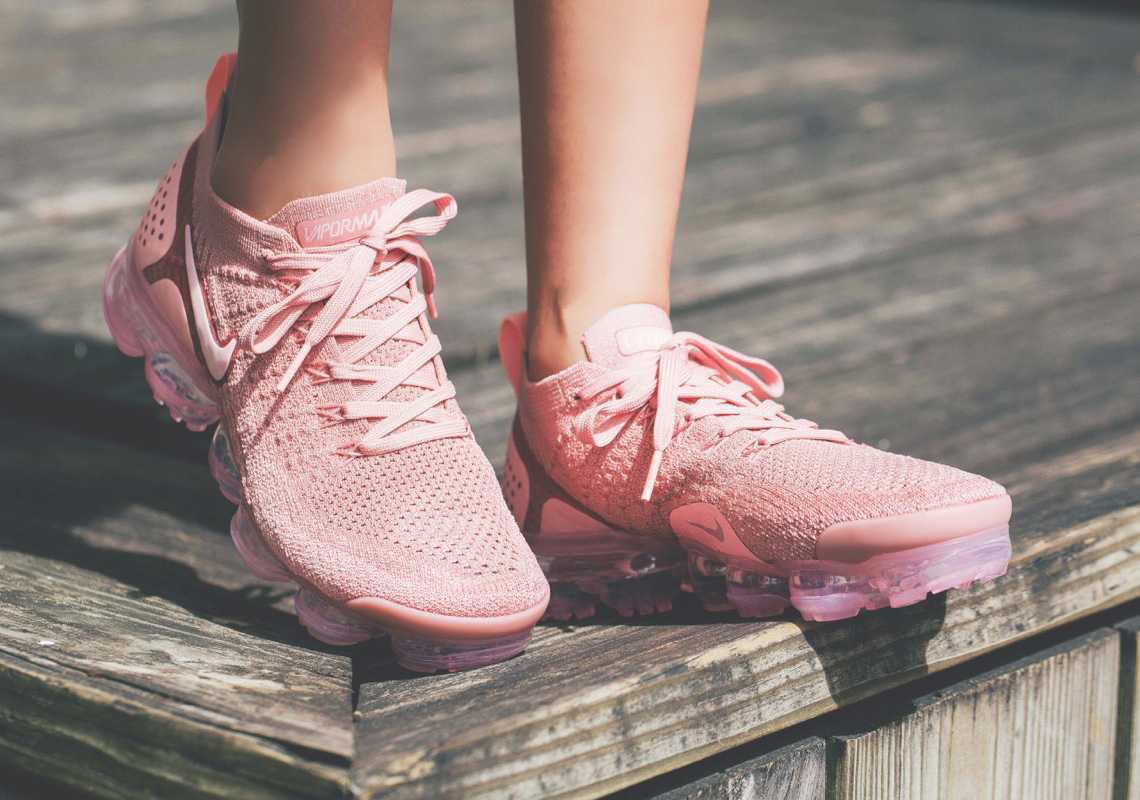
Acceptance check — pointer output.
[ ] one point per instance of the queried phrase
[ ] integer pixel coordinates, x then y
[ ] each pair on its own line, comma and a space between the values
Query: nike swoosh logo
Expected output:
218, 357
717, 532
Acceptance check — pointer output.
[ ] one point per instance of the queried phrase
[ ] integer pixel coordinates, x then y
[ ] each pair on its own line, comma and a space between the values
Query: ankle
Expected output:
261, 179
549, 353
272, 153
555, 329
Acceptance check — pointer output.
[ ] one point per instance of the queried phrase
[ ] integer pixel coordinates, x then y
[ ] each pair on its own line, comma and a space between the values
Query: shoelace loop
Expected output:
711, 380
345, 280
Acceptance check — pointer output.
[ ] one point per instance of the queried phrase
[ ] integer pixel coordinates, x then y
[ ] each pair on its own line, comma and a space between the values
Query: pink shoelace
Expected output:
342, 281
704, 379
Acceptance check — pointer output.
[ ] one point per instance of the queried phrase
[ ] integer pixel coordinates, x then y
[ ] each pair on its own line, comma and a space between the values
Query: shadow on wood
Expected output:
904, 655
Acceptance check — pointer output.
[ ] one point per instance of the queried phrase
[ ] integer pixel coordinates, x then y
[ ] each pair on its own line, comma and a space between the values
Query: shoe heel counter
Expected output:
512, 349
156, 251
218, 83
155, 234
538, 503
168, 210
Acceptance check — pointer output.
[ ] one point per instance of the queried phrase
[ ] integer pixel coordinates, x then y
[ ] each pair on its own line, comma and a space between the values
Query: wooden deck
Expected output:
927, 213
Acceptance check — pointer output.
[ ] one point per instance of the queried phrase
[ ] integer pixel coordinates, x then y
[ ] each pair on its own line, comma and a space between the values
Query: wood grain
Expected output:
100, 737
137, 657
1039, 729
1126, 777
793, 772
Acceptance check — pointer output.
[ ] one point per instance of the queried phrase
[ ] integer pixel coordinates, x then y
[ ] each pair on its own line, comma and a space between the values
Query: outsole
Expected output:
638, 575
133, 329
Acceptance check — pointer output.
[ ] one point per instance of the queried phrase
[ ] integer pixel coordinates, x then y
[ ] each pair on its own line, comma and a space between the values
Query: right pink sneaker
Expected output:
662, 463
355, 471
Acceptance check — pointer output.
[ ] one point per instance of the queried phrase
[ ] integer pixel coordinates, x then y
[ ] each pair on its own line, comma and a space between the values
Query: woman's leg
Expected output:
359, 467
607, 92
308, 110
607, 96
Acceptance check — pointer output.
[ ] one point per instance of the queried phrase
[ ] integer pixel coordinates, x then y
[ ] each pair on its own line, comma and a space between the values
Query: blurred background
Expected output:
978, 144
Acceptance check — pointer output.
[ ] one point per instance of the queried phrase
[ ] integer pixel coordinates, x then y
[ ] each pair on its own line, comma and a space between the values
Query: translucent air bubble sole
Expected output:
631, 574
139, 330
819, 590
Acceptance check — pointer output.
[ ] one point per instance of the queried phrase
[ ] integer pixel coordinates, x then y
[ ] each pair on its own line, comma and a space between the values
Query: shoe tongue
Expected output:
626, 331
339, 216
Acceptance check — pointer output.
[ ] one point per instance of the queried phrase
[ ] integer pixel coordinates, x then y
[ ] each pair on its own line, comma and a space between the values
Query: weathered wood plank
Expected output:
1063, 505
595, 707
1126, 777
92, 733
20, 785
1042, 727
794, 772
158, 523
137, 657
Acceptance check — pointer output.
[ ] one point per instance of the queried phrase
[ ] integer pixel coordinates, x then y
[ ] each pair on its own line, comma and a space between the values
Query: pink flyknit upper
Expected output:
357, 465
707, 411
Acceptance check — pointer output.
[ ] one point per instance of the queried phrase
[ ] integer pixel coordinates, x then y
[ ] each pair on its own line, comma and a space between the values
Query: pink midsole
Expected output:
787, 567
397, 619
859, 540
594, 544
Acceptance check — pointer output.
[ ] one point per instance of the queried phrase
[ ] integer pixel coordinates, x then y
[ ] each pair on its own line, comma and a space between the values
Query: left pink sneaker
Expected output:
662, 463
306, 338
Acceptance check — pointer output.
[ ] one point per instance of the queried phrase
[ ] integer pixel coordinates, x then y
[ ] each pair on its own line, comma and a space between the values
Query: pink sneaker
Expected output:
354, 470
662, 464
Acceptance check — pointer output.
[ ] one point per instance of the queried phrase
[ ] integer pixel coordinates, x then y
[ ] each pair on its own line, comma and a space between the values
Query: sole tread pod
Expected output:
819, 590
421, 641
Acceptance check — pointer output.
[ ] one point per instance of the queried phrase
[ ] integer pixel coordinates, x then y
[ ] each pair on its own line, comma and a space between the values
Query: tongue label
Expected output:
342, 227
640, 339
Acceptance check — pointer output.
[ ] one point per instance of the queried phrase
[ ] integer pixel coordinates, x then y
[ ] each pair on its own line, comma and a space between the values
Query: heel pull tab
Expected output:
218, 82
512, 348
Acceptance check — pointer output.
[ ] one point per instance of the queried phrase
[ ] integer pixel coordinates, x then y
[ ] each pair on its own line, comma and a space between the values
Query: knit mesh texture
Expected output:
424, 526
778, 499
